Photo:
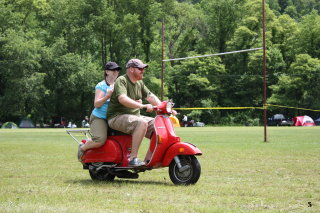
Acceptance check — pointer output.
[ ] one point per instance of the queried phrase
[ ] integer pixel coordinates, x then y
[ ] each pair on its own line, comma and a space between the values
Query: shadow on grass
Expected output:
118, 182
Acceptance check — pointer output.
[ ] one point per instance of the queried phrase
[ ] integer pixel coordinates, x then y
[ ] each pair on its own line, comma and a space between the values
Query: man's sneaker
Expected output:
135, 162
80, 152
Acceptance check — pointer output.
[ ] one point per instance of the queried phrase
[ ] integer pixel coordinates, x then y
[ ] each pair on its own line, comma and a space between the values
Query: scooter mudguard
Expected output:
109, 152
181, 148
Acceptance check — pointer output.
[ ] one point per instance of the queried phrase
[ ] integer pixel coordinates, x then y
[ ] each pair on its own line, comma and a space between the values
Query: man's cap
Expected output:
111, 66
137, 63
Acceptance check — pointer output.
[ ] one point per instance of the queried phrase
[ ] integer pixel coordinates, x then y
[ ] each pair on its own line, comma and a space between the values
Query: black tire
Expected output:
190, 176
101, 176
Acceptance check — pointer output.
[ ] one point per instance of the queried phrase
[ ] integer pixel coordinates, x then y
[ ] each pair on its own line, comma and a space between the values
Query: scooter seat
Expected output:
113, 132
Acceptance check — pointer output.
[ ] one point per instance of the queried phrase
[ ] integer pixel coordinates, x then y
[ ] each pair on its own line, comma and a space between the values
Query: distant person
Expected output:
185, 121
98, 122
71, 125
85, 122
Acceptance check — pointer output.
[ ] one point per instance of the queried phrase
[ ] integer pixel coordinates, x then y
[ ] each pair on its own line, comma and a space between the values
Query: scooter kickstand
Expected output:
180, 167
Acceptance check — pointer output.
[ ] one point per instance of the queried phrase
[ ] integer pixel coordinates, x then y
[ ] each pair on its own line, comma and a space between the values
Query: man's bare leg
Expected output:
137, 138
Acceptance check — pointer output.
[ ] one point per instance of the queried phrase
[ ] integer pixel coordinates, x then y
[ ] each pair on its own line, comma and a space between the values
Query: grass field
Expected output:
39, 172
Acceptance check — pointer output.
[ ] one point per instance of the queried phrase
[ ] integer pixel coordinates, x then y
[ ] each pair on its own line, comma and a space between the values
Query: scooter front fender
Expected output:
181, 148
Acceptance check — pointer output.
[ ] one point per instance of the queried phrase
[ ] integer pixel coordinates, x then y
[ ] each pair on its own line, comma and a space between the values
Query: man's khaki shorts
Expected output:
128, 123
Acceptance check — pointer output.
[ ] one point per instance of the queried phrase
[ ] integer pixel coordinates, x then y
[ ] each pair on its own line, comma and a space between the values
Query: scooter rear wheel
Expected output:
101, 176
188, 176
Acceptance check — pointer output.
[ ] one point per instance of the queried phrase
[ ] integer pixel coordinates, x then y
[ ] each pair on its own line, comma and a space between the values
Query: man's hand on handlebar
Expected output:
149, 107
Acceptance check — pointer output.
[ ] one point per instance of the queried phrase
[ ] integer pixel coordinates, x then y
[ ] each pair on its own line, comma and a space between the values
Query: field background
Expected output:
240, 173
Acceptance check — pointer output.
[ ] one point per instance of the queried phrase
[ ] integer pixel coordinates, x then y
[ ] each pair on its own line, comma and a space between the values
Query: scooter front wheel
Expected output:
189, 175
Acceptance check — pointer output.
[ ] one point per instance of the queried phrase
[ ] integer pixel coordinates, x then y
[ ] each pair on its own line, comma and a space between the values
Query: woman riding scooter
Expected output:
98, 122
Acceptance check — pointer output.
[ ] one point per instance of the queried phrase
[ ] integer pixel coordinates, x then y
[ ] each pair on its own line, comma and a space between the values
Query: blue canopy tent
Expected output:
26, 123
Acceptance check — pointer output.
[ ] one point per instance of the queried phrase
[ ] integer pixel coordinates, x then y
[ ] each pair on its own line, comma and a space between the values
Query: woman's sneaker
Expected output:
80, 152
135, 162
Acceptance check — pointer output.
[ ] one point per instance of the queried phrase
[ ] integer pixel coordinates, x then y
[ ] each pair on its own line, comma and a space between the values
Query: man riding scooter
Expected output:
125, 105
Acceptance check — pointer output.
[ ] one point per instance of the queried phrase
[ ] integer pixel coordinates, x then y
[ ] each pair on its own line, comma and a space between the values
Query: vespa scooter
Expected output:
112, 159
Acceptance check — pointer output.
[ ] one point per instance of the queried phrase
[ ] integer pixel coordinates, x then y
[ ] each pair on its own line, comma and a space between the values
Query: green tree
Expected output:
70, 80
245, 70
300, 86
52, 52
148, 15
132, 28
195, 80
308, 34
21, 79
222, 18
183, 30
295, 8
285, 38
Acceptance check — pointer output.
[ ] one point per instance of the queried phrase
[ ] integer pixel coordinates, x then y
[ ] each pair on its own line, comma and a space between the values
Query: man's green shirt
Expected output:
135, 91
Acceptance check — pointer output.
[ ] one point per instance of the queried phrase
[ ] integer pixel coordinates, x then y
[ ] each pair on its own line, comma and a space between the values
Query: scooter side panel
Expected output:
181, 148
162, 140
109, 152
125, 142
169, 126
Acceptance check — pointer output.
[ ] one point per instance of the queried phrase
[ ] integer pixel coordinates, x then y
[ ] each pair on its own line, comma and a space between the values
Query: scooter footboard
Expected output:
182, 148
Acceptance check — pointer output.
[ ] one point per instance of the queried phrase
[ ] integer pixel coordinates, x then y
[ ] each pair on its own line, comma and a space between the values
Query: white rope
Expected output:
225, 53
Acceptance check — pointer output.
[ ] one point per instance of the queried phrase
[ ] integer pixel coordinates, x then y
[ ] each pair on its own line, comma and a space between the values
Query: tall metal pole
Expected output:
264, 70
162, 62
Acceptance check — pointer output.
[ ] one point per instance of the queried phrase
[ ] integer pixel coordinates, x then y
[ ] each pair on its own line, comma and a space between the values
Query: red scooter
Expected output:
112, 159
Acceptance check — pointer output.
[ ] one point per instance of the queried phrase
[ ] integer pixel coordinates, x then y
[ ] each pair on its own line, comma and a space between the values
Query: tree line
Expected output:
52, 54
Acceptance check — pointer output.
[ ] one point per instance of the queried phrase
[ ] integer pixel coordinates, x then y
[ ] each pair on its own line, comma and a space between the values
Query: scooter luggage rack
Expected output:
85, 132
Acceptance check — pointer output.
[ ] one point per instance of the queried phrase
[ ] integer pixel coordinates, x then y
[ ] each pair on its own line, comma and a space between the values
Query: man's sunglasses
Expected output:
140, 69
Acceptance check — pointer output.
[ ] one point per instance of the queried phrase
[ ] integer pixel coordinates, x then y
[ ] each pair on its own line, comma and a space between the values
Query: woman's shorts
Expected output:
98, 129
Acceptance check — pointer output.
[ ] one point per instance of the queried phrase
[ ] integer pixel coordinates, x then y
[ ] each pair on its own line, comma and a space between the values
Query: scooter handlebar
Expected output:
164, 107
